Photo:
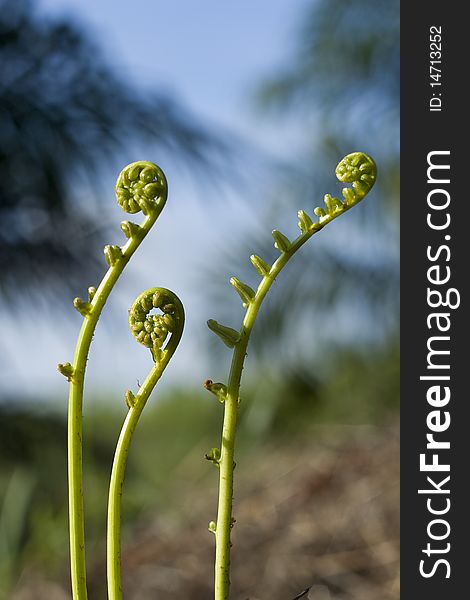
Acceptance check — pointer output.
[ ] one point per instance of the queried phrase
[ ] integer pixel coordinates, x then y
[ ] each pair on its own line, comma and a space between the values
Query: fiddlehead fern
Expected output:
141, 186
160, 333
357, 169
360, 170
152, 330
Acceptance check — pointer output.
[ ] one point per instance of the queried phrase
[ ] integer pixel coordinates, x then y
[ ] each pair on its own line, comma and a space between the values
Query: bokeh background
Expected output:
247, 107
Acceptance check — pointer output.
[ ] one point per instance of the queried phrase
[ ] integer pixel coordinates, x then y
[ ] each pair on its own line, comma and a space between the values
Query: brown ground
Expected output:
322, 514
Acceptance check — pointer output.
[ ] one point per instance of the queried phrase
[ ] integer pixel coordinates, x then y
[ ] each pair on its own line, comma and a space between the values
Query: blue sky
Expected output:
211, 55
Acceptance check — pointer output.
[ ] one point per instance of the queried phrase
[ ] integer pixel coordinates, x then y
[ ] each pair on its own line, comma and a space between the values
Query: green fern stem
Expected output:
140, 186
151, 332
358, 169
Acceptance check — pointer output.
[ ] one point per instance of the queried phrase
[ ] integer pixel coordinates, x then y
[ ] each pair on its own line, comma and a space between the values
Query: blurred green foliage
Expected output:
166, 461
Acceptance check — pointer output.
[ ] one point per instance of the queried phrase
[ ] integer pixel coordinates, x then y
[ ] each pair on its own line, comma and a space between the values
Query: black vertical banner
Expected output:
435, 233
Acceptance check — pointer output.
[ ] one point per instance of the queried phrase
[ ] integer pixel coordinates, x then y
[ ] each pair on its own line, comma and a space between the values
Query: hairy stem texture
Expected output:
357, 169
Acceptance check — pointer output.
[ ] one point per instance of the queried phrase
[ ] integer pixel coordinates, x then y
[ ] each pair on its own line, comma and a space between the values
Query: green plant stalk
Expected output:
226, 462
75, 413
75, 373
117, 480
114, 577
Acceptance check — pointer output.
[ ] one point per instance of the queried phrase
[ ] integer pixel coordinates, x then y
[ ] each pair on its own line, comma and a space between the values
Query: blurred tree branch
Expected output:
64, 116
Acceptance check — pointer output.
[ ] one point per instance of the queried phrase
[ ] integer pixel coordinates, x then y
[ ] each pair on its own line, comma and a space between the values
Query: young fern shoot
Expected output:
357, 169
152, 331
141, 186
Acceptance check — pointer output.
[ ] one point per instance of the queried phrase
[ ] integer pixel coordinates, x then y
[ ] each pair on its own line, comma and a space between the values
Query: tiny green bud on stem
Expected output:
130, 399
212, 527
349, 196
66, 370
112, 254
332, 204
305, 222
281, 242
214, 456
260, 265
244, 291
83, 308
130, 229
218, 389
228, 335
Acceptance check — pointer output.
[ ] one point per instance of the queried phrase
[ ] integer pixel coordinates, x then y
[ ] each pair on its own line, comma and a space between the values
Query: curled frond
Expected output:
356, 168
141, 186
153, 330
359, 169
